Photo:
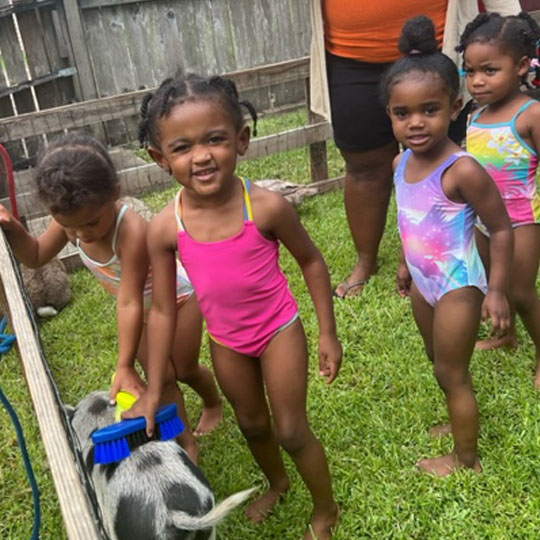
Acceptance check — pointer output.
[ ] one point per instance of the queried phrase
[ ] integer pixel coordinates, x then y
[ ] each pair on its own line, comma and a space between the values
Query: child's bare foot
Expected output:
509, 341
322, 527
439, 431
260, 508
210, 418
445, 465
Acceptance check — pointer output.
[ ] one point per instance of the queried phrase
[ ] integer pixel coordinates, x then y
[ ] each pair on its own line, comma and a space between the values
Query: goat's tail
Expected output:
187, 522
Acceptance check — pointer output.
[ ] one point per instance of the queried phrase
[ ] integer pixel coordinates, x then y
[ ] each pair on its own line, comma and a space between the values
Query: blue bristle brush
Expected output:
115, 442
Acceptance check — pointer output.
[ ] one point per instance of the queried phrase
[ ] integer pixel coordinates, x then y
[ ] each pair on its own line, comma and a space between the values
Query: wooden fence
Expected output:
37, 67
56, 52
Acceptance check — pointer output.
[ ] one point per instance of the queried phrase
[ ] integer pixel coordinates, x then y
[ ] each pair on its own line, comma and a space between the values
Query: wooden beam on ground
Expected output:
270, 74
331, 184
71, 495
96, 111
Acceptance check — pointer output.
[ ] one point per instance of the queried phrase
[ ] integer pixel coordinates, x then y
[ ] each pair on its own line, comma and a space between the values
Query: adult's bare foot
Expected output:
323, 526
445, 465
508, 341
260, 508
439, 431
209, 420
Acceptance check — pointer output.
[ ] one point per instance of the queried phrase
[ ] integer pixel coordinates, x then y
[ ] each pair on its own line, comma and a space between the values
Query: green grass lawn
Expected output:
373, 421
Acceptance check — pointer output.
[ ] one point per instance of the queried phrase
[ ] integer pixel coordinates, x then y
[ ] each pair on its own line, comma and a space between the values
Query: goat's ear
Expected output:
70, 411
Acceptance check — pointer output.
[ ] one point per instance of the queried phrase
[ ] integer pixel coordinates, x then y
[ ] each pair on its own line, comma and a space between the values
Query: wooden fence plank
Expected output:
289, 140
80, 50
35, 47
318, 158
28, 204
96, 111
14, 148
11, 52
73, 503
89, 4
201, 36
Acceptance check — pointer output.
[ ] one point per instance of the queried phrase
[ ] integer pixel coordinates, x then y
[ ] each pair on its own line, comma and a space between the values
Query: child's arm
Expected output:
30, 251
403, 277
131, 248
479, 190
278, 218
162, 316
533, 119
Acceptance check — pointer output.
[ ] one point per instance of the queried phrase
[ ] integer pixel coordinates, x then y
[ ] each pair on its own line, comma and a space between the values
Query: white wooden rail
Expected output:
71, 495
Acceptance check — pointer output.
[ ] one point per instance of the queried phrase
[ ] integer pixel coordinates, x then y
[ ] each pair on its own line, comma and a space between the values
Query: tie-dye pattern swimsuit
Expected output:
109, 273
437, 234
512, 164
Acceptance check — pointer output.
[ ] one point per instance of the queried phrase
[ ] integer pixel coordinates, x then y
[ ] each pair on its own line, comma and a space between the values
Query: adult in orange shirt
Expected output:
354, 42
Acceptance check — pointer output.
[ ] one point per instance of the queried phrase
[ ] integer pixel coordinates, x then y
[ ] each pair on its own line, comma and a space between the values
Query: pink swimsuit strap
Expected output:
242, 291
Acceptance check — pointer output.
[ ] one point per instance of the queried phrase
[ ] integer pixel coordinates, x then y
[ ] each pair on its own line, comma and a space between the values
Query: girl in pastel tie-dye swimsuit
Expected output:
504, 136
439, 191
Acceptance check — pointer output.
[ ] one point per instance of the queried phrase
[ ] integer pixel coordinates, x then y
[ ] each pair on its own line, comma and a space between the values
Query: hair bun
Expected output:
418, 35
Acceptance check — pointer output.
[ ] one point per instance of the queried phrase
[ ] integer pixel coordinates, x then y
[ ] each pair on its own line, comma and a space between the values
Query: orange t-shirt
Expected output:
369, 30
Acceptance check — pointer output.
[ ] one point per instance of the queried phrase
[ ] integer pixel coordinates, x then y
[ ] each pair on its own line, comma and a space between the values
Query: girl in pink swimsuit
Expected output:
77, 181
227, 232
504, 136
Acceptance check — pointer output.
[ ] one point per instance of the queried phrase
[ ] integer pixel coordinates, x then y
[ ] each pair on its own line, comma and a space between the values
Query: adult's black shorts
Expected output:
359, 117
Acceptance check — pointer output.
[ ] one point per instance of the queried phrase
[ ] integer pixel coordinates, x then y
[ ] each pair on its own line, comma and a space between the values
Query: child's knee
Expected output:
450, 379
524, 299
187, 374
292, 437
254, 427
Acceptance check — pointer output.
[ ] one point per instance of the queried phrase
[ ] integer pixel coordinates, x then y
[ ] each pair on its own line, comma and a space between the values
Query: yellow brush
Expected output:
124, 401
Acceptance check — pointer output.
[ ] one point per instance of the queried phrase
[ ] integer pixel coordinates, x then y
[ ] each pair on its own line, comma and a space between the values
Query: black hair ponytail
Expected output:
421, 53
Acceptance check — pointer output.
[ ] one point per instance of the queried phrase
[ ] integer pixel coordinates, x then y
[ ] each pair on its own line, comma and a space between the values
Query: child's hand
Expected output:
403, 280
127, 379
145, 406
495, 307
330, 353
6, 219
